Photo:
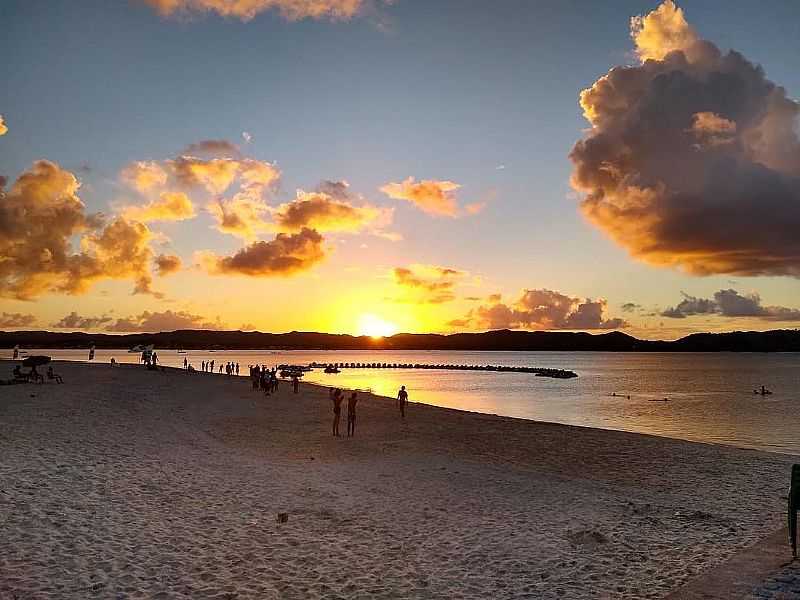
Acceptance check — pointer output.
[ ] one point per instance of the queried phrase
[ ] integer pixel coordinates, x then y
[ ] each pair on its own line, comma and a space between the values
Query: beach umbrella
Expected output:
35, 361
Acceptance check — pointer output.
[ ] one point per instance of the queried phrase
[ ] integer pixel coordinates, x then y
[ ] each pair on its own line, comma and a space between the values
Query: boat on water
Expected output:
139, 348
181, 351
299, 368
332, 370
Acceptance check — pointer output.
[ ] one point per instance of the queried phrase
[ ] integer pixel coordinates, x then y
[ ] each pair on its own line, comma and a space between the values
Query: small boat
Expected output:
139, 348
332, 370
181, 351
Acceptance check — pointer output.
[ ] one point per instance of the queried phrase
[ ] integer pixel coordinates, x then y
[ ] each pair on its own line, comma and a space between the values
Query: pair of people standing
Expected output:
337, 397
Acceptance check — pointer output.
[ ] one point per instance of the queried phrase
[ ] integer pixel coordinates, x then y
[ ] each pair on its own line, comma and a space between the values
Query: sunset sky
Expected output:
363, 166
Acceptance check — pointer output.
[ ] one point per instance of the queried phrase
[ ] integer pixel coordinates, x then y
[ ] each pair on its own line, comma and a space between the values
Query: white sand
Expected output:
124, 483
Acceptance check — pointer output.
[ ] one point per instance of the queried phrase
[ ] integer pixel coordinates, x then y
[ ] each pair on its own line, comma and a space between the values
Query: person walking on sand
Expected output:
296, 384
402, 399
337, 398
351, 414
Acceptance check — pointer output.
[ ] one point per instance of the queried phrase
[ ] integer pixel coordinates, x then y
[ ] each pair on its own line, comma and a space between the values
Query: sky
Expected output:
368, 167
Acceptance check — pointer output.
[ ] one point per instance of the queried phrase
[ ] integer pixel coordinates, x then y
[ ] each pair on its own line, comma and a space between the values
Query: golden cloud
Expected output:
693, 157
285, 255
144, 176
322, 212
16, 319
431, 196
169, 206
163, 321
541, 309
293, 10
429, 284
167, 264
39, 216
3, 127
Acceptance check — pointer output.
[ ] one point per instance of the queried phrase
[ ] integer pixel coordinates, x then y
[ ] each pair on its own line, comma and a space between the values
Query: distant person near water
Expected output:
337, 398
296, 384
185, 363
402, 399
351, 414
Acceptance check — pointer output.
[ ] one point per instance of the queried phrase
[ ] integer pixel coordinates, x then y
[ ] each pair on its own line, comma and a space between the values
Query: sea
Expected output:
704, 397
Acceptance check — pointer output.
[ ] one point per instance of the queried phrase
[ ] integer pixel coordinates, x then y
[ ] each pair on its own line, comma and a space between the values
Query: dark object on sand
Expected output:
36, 361
794, 507
283, 517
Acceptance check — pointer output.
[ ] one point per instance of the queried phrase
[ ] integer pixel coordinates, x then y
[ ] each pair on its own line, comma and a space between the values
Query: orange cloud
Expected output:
428, 283
169, 206
541, 309
16, 320
693, 157
322, 212
431, 196
144, 176
3, 127
40, 215
167, 264
163, 321
74, 321
246, 10
285, 255
213, 148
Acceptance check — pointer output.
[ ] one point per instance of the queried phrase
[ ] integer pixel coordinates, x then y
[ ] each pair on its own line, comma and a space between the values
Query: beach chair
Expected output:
794, 507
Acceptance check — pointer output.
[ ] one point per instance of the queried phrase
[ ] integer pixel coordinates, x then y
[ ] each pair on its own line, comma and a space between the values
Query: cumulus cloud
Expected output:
144, 176
431, 196
74, 321
285, 255
213, 148
325, 211
730, 303
16, 319
40, 215
693, 159
292, 10
167, 264
3, 127
428, 283
543, 309
163, 321
212, 167
169, 206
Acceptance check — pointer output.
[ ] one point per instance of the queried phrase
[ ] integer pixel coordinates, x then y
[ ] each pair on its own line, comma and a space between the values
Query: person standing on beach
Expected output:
402, 398
296, 383
185, 363
351, 414
337, 398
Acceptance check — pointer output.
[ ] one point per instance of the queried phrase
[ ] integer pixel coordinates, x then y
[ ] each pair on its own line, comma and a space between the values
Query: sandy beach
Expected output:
125, 483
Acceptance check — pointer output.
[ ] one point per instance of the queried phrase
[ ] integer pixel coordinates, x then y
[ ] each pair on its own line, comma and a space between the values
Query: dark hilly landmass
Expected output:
780, 340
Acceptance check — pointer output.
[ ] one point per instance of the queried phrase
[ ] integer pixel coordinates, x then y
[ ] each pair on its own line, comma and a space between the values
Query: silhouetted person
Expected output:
185, 363
212, 366
351, 414
295, 384
402, 398
203, 365
155, 358
337, 410
237, 368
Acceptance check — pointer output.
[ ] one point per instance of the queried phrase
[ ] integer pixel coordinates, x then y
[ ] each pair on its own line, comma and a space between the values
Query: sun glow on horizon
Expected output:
375, 327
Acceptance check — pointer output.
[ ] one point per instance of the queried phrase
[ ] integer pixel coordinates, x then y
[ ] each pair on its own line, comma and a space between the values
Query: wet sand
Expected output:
124, 483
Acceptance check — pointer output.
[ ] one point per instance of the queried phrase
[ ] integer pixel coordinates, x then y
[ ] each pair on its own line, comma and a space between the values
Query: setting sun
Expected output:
375, 327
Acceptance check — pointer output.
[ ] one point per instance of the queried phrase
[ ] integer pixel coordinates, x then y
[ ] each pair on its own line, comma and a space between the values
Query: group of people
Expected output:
229, 368
264, 378
337, 397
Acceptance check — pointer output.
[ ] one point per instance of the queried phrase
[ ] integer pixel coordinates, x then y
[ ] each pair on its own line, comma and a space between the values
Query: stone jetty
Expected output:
538, 371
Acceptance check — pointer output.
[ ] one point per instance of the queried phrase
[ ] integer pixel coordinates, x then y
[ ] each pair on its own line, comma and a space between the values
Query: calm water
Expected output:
710, 395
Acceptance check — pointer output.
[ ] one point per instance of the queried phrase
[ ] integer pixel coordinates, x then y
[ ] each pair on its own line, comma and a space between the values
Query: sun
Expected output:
375, 327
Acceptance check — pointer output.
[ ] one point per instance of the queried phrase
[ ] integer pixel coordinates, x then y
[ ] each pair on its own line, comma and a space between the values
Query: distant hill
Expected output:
779, 340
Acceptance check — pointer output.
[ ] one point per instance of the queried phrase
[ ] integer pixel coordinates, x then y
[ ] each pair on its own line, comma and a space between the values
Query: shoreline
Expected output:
136, 482
243, 374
